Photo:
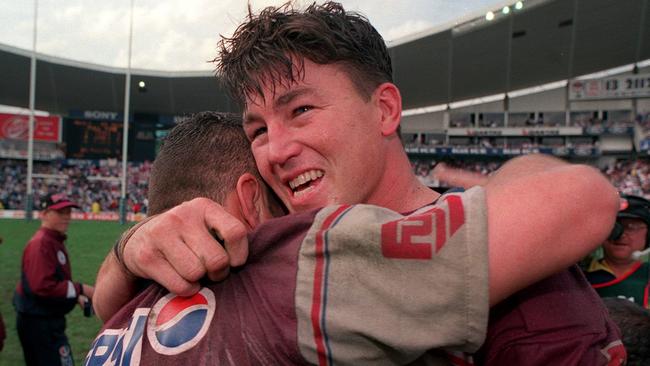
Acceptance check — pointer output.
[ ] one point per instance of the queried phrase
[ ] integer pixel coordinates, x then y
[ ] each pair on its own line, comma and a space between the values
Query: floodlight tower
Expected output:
125, 130
29, 199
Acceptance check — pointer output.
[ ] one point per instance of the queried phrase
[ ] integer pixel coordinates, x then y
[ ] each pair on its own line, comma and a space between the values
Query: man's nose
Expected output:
281, 145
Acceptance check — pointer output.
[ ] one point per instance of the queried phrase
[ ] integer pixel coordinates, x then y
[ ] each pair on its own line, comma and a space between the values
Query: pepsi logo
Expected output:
16, 128
178, 323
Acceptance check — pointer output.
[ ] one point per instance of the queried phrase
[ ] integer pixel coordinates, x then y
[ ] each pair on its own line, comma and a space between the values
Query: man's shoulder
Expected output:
279, 233
40, 241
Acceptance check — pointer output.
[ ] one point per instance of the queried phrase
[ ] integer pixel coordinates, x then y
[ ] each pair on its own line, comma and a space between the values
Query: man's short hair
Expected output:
269, 49
203, 156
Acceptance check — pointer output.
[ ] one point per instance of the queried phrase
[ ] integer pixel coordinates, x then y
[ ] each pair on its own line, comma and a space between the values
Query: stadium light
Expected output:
505, 10
519, 5
489, 16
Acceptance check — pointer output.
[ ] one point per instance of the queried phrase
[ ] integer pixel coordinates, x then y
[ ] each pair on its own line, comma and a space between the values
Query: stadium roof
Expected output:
544, 42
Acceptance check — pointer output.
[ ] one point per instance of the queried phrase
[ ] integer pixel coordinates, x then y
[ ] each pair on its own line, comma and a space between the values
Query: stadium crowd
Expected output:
96, 182
94, 185
629, 176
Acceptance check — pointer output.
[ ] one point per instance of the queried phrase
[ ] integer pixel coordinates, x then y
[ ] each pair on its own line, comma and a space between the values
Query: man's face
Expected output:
57, 219
317, 141
633, 239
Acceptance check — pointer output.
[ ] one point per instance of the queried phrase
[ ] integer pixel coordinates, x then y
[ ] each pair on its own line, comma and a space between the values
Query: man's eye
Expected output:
302, 109
257, 132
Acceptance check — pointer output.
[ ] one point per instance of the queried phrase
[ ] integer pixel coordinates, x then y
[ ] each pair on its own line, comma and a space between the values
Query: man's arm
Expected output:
114, 288
458, 177
176, 249
543, 214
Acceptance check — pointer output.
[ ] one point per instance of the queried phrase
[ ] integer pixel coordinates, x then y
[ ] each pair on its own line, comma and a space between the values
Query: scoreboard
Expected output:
98, 135
93, 139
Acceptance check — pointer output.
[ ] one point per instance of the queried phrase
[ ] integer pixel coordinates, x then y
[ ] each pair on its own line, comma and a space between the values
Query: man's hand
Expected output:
88, 290
455, 177
177, 248
81, 300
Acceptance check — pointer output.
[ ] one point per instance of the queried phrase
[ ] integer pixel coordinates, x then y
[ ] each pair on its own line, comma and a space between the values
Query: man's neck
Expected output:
400, 190
45, 225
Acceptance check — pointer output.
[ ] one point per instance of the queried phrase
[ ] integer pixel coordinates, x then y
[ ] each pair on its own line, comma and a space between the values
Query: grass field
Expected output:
88, 242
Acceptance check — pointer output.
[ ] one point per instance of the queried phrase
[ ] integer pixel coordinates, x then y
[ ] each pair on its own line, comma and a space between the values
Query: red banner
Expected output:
16, 127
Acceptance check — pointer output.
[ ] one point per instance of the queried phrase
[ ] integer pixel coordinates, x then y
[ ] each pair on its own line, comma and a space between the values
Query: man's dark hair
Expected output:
634, 323
269, 49
203, 156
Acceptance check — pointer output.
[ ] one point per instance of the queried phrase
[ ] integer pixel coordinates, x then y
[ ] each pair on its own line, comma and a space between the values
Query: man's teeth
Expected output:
305, 178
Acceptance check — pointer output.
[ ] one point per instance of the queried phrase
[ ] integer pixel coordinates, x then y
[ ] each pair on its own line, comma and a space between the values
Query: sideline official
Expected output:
45, 292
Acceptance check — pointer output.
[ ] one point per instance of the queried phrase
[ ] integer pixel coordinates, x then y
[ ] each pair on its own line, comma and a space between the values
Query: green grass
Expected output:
88, 242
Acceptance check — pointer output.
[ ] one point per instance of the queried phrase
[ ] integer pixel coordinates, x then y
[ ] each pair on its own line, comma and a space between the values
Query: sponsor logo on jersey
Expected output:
119, 346
178, 323
61, 257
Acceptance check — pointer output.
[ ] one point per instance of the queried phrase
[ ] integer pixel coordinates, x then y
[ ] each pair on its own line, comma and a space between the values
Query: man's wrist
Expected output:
120, 245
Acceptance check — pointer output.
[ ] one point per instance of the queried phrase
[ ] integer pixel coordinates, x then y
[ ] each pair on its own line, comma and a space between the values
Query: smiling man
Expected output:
322, 114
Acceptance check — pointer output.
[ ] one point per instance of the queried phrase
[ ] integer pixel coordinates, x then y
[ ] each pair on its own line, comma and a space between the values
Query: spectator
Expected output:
45, 293
84, 182
96, 208
620, 273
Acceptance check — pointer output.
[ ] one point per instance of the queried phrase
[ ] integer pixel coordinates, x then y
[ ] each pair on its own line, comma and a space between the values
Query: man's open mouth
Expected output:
305, 181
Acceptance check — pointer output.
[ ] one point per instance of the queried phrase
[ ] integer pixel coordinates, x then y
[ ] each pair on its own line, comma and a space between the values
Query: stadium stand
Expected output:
629, 176
487, 62
84, 181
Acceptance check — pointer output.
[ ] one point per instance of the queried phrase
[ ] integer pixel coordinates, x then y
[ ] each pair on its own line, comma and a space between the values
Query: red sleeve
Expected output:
40, 268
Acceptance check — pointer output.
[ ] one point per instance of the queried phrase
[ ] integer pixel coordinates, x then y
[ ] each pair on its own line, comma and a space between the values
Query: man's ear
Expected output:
250, 196
390, 104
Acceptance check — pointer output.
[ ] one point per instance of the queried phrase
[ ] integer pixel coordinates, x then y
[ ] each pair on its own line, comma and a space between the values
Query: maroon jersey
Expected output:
46, 286
347, 284
557, 321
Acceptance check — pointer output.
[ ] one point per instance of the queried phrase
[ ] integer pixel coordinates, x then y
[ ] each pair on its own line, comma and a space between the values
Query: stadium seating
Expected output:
84, 181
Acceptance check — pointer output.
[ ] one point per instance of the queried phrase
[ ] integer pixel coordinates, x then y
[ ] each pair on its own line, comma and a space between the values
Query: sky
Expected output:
181, 35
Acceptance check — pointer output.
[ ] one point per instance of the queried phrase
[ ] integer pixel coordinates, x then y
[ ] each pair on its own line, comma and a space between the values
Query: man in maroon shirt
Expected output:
45, 292
323, 115
229, 322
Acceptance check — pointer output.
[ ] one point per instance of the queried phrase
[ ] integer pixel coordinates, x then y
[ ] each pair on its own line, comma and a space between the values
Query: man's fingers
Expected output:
219, 275
185, 260
167, 276
458, 177
232, 233
177, 248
